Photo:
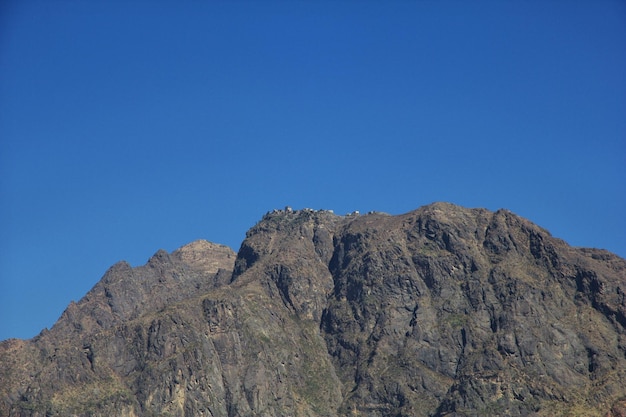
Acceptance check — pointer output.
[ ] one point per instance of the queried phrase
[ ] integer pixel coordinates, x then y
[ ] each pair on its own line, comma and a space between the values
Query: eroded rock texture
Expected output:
444, 311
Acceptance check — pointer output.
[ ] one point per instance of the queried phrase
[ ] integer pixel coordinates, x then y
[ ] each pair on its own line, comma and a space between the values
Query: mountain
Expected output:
443, 311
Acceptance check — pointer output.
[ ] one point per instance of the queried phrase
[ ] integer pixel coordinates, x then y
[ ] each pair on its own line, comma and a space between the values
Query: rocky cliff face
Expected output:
441, 311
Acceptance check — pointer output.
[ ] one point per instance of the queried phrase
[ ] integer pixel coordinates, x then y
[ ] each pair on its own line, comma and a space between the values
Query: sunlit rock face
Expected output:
440, 311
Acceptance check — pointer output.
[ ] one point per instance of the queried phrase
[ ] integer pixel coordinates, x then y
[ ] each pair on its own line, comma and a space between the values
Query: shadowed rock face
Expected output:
441, 311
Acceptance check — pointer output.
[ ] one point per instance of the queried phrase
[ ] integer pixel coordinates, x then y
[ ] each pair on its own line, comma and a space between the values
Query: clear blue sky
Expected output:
126, 127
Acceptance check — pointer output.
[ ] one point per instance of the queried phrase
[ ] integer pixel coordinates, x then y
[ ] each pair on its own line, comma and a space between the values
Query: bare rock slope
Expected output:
440, 311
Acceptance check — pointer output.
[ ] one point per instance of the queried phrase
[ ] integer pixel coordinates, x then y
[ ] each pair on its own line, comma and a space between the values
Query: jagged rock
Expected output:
443, 311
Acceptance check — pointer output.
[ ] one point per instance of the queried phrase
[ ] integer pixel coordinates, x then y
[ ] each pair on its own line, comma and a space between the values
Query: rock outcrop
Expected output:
443, 311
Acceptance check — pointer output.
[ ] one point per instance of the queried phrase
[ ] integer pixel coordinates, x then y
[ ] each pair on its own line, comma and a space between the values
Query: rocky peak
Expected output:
205, 256
440, 311
125, 293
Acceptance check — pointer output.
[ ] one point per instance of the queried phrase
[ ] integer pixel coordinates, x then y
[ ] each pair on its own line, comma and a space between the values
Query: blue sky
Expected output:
126, 127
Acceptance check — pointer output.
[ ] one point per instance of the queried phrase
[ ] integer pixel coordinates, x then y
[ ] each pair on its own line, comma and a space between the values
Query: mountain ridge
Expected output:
440, 311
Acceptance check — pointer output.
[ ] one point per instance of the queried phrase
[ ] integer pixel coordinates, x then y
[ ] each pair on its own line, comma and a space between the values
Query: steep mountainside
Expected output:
443, 311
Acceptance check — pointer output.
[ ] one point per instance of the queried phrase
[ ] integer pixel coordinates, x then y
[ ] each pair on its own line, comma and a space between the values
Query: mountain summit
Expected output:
443, 311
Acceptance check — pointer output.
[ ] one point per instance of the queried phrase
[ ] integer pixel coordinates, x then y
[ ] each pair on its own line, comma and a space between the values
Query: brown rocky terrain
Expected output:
443, 311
